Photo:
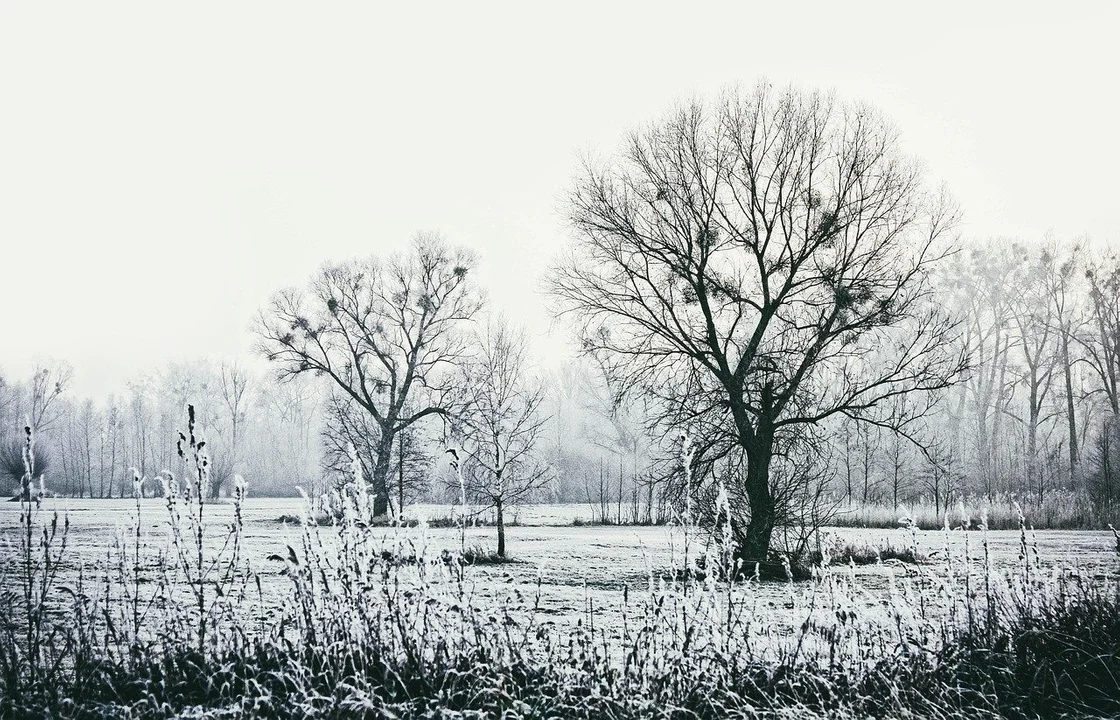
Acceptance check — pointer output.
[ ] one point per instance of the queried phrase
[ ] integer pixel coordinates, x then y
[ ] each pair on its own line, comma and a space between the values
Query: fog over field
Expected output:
488, 360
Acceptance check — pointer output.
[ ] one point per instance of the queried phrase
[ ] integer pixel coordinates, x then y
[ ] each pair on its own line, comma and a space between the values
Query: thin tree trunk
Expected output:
649, 501
501, 528
620, 489
997, 421
1069, 407
400, 475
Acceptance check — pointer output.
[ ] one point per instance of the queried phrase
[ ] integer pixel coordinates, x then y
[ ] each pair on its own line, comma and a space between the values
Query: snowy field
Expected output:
570, 574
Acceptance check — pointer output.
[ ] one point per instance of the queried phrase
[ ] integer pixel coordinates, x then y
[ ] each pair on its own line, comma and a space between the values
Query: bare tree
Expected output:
1103, 350
501, 423
847, 433
383, 333
620, 431
869, 437
48, 383
760, 265
1104, 479
173, 389
1059, 272
140, 418
937, 481
898, 460
282, 450
982, 283
347, 428
81, 428
110, 430
233, 382
1035, 323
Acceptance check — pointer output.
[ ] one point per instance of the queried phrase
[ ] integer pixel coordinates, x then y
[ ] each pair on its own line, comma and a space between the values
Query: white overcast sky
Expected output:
164, 169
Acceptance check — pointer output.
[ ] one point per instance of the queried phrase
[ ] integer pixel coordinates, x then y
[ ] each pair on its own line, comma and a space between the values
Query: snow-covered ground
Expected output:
567, 572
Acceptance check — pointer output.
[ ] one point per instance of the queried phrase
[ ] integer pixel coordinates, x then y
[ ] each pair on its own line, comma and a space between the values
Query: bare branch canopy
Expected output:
761, 264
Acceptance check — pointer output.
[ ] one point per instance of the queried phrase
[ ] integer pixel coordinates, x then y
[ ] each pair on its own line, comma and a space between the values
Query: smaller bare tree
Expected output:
384, 333
1104, 478
500, 424
48, 382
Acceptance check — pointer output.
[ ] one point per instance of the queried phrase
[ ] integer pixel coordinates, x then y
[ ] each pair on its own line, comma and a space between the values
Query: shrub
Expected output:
12, 469
863, 554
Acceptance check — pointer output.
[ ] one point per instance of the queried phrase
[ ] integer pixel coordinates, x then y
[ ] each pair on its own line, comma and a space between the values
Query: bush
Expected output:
12, 468
864, 554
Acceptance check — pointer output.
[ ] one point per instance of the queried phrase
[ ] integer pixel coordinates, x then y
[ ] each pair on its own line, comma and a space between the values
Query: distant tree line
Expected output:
1035, 416
299, 432
257, 428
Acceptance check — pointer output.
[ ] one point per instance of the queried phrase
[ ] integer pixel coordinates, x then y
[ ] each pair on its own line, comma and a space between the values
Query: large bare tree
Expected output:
761, 264
382, 332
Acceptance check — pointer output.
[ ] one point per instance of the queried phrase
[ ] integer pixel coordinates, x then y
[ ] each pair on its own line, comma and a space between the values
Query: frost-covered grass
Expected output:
172, 607
1059, 510
573, 564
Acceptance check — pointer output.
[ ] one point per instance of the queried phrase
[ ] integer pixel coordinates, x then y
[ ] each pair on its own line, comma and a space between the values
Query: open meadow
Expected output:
565, 574
152, 607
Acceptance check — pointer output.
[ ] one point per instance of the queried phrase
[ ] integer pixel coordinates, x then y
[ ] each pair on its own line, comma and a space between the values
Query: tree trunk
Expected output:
400, 475
848, 460
113, 465
1070, 416
867, 457
1034, 470
754, 546
620, 489
380, 481
501, 529
936, 491
997, 421
649, 502
1106, 469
